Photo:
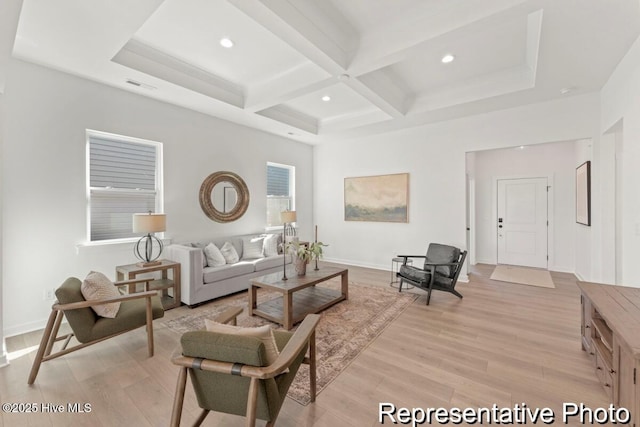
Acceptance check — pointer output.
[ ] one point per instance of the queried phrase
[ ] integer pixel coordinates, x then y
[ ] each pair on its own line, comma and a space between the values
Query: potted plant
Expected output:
304, 253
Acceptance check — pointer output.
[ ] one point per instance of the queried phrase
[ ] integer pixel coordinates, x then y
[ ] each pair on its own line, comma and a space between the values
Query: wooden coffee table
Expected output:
299, 297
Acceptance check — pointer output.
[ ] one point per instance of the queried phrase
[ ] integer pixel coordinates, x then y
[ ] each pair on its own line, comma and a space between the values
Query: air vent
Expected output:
139, 84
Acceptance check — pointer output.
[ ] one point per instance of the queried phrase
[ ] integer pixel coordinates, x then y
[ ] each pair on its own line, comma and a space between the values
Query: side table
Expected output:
395, 267
162, 284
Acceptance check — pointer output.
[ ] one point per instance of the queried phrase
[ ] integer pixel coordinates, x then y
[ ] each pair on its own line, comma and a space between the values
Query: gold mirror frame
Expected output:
206, 190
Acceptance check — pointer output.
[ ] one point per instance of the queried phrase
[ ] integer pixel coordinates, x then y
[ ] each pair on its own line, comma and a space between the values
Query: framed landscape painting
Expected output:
381, 198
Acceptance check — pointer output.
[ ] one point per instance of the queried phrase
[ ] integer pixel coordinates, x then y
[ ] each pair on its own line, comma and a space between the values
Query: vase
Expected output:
301, 266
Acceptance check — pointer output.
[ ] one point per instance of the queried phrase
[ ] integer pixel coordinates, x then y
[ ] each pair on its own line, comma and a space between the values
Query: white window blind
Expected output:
123, 179
280, 192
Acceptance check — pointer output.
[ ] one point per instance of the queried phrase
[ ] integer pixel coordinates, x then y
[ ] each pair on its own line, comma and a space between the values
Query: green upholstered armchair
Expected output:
228, 372
136, 310
442, 266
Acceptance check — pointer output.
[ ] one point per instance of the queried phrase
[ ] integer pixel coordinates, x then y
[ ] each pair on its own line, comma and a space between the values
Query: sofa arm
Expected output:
191, 273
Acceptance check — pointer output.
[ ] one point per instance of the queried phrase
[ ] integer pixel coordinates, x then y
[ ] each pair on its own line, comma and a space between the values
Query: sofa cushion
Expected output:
229, 252
270, 245
268, 262
252, 247
214, 256
214, 274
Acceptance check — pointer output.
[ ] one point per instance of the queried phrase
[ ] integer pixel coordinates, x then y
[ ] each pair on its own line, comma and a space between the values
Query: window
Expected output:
124, 177
280, 191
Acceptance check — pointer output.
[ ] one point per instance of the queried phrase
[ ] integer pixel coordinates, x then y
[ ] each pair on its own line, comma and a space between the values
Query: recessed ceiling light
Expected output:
344, 77
565, 90
326, 98
447, 58
226, 42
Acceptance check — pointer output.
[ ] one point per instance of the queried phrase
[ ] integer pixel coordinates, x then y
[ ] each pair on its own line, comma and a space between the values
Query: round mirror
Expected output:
224, 196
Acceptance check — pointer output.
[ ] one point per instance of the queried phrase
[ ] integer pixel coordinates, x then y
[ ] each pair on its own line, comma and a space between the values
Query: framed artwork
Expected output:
381, 198
583, 193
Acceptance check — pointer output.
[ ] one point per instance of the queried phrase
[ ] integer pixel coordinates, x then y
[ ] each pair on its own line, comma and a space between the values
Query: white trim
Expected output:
550, 209
159, 178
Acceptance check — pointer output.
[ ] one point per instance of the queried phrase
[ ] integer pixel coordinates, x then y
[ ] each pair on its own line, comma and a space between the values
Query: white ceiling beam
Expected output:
297, 30
392, 107
148, 60
271, 96
300, 32
291, 117
534, 33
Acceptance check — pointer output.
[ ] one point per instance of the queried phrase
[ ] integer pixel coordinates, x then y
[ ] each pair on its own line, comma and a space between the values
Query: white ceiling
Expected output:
378, 60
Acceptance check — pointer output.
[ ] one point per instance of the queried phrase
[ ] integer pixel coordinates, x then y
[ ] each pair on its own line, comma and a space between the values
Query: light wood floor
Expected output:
503, 343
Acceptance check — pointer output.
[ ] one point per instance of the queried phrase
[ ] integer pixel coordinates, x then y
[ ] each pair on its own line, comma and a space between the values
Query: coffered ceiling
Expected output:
378, 62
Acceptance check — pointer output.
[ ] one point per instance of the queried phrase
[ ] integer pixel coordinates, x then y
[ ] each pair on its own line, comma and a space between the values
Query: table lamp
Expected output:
287, 217
148, 223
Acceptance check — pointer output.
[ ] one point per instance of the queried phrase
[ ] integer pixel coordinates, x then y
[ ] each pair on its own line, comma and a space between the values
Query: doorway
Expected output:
522, 222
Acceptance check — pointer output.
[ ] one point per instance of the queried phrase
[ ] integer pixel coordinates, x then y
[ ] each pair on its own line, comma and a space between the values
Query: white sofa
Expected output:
201, 283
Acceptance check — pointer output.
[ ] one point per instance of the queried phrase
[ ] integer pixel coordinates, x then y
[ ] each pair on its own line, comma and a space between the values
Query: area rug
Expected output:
523, 276
344, 330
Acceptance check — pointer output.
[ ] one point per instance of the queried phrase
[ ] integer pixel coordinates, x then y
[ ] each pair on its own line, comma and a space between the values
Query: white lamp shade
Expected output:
149, 223
288, 216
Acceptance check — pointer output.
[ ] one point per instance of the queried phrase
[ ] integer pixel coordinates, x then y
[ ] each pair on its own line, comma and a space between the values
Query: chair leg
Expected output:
178, 400
252, 402
201, 418
44, 343
456, 293
54, 333
312, 366
149, 326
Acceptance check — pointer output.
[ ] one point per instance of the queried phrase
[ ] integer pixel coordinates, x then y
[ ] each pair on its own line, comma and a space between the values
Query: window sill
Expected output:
112, 245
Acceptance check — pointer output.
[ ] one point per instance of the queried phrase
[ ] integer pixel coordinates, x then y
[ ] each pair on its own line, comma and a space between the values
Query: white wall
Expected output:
434, 156
585, 234
43, 169
621, 104
3, 353
553, 160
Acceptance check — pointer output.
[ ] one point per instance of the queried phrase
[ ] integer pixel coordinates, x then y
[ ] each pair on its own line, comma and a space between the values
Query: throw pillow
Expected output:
214, 256
263, 332
252, 247
98, 286
229, 253
270, 245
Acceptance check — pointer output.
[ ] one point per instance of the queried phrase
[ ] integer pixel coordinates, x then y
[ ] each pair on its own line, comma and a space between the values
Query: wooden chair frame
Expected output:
303, 336
50, 335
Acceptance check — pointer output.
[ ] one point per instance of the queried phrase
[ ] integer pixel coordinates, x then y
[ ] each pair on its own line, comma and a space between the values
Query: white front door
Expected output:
522, 222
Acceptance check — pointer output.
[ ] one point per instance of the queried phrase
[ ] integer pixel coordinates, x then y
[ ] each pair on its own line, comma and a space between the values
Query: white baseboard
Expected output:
26, 327
4, 361
461, 278
358, 264
561, 269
